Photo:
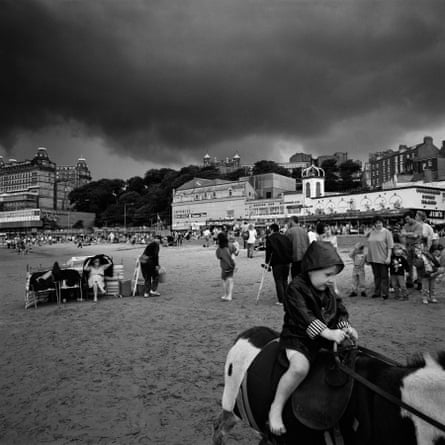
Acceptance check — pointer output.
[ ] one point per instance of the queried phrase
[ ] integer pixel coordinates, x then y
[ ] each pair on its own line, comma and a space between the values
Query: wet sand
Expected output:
150, 370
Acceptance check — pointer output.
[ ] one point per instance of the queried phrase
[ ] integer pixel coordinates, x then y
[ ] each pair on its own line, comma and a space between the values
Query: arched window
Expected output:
317, 189
308, 190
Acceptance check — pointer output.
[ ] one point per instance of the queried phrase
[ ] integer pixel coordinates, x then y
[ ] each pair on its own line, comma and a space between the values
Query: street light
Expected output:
125, 215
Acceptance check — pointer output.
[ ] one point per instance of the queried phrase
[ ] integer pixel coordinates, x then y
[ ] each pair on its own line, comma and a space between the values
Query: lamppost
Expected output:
125, 215
304, 214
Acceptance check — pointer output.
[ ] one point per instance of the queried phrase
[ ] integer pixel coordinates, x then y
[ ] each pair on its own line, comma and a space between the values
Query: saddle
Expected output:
318, 403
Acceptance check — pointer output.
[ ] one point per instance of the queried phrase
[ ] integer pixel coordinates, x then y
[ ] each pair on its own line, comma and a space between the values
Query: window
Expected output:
318, 189
308, 190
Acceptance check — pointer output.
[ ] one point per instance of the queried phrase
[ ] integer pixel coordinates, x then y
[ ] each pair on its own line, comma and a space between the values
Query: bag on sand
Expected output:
162, 273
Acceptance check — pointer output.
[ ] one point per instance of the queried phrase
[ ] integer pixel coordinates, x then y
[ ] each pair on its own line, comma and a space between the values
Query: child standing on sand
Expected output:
358, 270
427, 270
397, 268
225, 256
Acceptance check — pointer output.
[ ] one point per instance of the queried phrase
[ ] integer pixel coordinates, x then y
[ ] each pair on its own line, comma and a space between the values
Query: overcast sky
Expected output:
133, 85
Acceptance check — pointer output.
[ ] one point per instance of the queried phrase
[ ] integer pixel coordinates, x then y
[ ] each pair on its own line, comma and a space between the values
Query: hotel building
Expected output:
36, 190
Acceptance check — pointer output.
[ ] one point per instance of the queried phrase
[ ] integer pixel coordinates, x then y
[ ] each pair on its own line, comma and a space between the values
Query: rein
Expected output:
381, 392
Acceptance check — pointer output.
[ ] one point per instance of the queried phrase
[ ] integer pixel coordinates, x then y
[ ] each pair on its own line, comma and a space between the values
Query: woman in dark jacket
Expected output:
149, 261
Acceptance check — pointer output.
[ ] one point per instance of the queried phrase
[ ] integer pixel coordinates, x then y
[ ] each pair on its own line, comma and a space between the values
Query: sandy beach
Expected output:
150, 370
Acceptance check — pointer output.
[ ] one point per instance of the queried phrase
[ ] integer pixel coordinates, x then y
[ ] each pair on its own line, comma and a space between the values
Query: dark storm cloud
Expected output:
158, 78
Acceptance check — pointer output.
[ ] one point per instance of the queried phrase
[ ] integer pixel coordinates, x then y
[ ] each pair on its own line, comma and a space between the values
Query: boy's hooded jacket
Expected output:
309, 311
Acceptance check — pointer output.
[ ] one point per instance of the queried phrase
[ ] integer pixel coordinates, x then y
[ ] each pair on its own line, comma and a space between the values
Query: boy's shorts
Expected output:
226, 274
309, 350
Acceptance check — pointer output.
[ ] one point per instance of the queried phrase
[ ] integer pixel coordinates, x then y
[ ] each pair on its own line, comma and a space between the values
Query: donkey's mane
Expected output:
418, 360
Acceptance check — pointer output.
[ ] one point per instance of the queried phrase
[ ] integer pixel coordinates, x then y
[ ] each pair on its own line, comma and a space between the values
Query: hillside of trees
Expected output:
145, 200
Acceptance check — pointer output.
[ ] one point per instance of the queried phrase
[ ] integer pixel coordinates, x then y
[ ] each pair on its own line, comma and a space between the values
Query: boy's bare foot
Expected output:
276, 424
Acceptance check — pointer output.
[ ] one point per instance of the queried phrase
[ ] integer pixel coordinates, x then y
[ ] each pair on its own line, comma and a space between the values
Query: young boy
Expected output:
438, 253
358, 270
428, 268
397, 268
313, 317
224, 253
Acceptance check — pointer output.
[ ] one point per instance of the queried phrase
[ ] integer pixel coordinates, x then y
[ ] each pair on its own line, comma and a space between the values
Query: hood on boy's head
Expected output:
399, 246
320, 255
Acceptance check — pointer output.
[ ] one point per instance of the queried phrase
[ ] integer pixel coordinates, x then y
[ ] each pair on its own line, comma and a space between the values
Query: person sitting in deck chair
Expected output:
96, 272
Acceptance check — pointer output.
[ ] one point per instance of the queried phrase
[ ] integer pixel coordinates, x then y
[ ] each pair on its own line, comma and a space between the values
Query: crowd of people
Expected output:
403, 256
411, 257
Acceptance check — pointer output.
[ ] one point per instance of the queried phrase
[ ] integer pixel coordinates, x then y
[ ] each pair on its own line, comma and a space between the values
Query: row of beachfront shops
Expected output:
352, 213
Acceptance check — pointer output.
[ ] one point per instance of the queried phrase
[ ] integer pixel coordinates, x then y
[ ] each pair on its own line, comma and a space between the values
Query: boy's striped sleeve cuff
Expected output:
343, 324
315, 328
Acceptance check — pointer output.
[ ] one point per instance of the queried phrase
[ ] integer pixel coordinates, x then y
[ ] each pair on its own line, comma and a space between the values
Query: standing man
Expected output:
300, 242
149, 261
251, 240
206, 234
427, 230
411, 235
278, 256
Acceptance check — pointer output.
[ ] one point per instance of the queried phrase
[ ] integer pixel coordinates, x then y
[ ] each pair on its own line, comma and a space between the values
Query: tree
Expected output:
136, 184
261, 167
332, 178
235, 175
350, 174
296, 173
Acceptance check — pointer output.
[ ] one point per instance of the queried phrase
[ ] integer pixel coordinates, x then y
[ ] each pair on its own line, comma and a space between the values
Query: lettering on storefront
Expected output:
198, 215
437, 214
428, 200
428, 196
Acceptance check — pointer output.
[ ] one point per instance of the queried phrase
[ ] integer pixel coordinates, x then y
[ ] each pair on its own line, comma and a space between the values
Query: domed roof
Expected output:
41, 153
237, 156
207, 156
312, 172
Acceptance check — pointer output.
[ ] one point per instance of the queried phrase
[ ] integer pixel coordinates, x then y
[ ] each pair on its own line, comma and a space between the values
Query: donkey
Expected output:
366, 417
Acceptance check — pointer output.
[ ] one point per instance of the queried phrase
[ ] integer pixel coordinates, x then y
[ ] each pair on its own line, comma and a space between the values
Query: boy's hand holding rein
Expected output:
351, 333
337, 335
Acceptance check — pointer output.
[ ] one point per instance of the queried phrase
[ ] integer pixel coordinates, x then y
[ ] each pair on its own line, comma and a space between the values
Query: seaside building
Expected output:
339, 158
271, 185
226, 165
298, 160
35, 192
421, 162
203, 202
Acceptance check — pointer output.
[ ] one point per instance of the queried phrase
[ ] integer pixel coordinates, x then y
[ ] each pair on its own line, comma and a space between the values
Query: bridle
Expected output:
379, 391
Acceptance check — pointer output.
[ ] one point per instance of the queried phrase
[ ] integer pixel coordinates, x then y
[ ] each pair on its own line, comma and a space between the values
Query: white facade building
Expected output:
200, 200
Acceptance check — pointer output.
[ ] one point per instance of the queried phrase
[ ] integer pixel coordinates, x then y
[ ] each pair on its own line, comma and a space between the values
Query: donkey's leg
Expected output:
222, 426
